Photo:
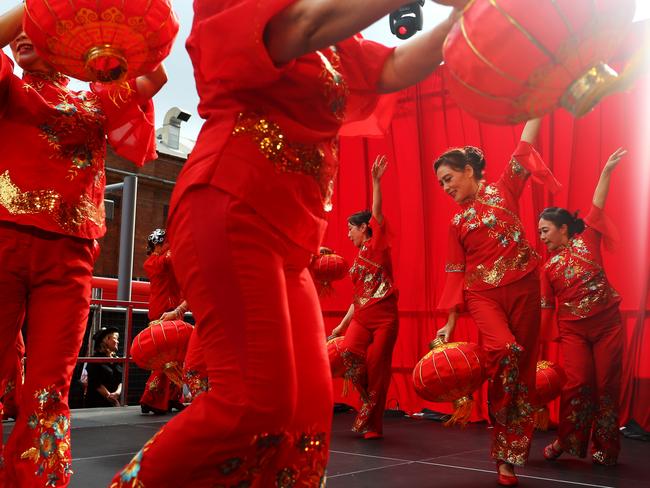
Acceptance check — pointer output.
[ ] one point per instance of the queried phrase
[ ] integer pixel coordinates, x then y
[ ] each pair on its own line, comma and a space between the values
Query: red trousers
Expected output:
265, 420
592, 351
46, 278
159, 391
195, 372
367, 353
508, 320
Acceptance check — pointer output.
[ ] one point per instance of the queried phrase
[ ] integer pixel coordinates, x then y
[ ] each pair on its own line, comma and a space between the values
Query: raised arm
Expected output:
11, 24
308, 25
378, 170
531, 130
602, 188
151, 83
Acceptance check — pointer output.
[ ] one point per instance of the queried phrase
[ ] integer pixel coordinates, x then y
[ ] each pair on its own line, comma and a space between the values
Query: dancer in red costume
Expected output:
160, 393
492, 271
590, 329
51, 208
277, 79
371, 323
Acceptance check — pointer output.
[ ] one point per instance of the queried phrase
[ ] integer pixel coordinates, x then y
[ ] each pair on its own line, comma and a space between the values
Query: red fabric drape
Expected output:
427, 122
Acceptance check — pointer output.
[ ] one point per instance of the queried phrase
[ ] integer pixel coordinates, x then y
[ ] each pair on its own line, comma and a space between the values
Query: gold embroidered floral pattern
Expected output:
128, 477
488, 211
355, 371
196, 383
512, 410
75, 131
375, 280
50, 453
578, 411
606, 440
581, 279
67, 215
362, 419
494, 274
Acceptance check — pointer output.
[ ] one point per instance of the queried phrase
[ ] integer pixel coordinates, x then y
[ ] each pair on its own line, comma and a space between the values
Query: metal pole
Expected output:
114, 187
127, 235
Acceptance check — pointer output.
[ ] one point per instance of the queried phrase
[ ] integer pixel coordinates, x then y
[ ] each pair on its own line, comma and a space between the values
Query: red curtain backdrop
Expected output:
426, 123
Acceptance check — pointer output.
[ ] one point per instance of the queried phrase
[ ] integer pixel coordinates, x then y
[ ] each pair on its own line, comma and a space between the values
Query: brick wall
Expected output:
155, 184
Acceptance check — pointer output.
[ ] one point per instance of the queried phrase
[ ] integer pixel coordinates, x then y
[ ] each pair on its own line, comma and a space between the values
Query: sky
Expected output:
180, 91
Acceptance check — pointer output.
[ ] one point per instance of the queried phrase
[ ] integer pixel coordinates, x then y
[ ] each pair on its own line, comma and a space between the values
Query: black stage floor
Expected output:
415, 453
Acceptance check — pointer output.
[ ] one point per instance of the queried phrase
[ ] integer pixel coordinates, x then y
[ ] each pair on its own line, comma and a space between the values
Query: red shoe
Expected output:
372, 435
505, 479
551, 453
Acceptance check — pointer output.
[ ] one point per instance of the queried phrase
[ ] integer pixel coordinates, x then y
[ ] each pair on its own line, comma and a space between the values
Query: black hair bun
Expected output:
475, 157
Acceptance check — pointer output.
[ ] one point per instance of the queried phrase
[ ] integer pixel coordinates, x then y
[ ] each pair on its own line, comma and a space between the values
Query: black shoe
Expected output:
147, 409
176, 405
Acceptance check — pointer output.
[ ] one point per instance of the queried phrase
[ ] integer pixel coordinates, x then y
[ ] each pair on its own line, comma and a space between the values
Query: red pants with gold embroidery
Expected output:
266, 418
592, 351
508, 320
367, 353
159, 391
195, 372
46, 278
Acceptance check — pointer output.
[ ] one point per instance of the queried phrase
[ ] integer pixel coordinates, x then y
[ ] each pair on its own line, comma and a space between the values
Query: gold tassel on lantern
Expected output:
542, 419
174, 372
462, 412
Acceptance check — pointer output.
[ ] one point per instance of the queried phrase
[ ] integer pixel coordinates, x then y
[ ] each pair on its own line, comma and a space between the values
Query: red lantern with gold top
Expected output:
509, 61
450, 372
162, 346
334, 354
328, 267
102, 40
549, 380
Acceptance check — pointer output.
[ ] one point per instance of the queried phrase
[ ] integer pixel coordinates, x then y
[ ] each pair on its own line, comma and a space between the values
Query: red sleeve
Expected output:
364, 64
526, 161
228, 41
6, 72
548, 330
130, 121
380, 234
452, 295
600, 222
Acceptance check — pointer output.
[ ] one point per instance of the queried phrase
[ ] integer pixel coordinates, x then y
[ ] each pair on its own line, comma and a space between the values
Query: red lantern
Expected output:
101, 40
549, 380
334, 354
450, 372
162, 346
509, 61
328, 267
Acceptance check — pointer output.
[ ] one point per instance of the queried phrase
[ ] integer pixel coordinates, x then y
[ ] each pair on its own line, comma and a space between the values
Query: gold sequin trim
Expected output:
289, 157
66, 215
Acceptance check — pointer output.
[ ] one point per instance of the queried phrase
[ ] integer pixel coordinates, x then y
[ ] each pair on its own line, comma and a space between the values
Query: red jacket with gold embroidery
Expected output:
54, 147
487, 247
164, 291
372, 271
270, 136
574, 275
